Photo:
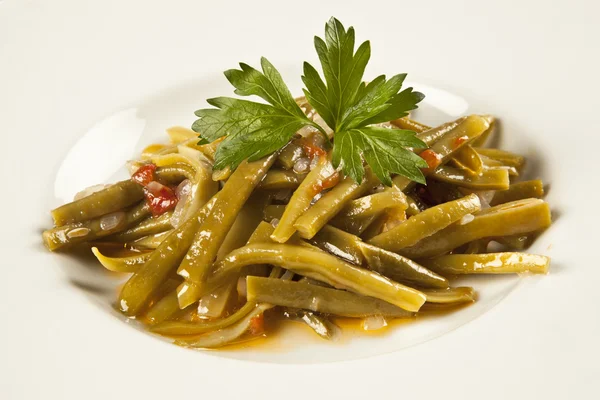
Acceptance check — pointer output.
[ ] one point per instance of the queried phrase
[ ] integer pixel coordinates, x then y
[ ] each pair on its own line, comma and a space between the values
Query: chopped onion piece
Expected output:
241, 286
275, 222
302, 165
183, 194
374, 322
466, 219
111, 221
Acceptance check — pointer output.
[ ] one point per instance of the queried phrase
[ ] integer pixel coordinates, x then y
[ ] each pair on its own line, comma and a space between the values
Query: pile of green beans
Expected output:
277, 238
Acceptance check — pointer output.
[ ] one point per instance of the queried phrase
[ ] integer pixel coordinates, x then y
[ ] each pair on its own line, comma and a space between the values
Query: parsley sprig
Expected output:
350, 107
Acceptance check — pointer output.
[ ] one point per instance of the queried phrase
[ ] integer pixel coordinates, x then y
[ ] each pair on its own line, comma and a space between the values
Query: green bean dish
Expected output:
337, 204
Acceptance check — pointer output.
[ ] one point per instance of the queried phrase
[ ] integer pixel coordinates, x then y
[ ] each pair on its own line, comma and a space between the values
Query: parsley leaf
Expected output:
349, 107
253, 130
383, 149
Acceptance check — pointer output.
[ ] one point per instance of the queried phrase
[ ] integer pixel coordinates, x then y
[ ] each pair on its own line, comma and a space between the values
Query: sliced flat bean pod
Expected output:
401, 269
491, 263
455, 295
318, 323
216, 225
301, 199
317, 264
122, 264
339, 243
151, 241
489, 179
273, 211
175, 173
281, 179
167, 256
485, 136
86, 231
331, 203
354, 225
426, 223
391, 197
411, 125
518, 191
163, 309
319, 299
114, 198
290, 154
468, 160
518, 217
149, 226
516, 242
506, 157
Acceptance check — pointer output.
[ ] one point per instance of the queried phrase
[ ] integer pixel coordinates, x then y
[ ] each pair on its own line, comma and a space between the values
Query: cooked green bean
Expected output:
415, 205
491, 263
175, 173
354, 225
319, 299
400, 269
331, 203
518, 217
188, 328
149, 226
490, 163
214, 228
114, 198
339, 243
483, 138
321, 325
411, 125
151, 241
86, 231
426, 223
468, 160
390, 197
273, 211
122, 264
455, 295
167, 256
317, 264
300, 201
489, 179
290, 154
506, 157
164, 308
229, 333
516, 242
454, 136
518, 191
281, 179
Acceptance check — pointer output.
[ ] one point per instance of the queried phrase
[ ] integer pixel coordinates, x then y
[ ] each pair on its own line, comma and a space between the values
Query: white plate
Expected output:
83, 87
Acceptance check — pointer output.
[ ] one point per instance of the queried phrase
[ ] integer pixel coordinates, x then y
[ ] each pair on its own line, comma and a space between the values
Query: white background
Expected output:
66, 64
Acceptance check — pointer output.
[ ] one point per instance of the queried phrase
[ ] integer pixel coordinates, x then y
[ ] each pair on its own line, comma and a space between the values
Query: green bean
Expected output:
151, 241
339, 243
175, 173
506, 157
516, 242
317, 264
227, 334
518, 191
214, 228
185, 328
477, 246
455, 295
483, 138
490, 163
281, 179
377, 225
163, 309
415, 205
318, 323
426, 223
167, 256
390, 197
518, 217
318, 299
453, 137
300, 201
114, 198
215, 303
330, 204
273, 211
149, 226
491, 263
355, 225
400, 269
411, 125
122, 264
489, 179
290, 154
468, 160
79, 232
